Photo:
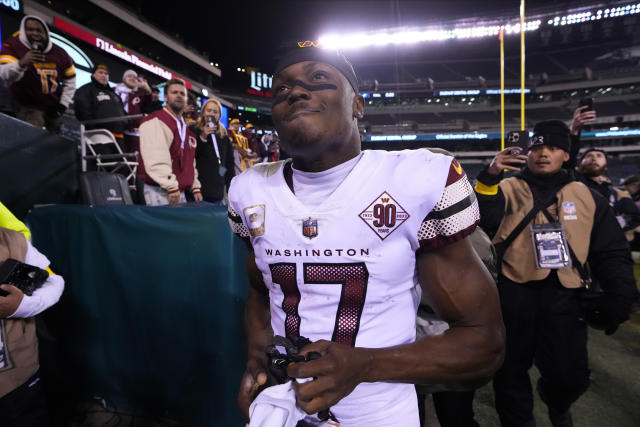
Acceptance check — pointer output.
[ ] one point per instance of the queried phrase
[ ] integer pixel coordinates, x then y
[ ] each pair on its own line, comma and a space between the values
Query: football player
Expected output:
341, 245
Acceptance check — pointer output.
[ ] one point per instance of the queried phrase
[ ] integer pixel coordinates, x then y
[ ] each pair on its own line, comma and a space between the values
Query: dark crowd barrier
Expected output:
36, 167
151, 319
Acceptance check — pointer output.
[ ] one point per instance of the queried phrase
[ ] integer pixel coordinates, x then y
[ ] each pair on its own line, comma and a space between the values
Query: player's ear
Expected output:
565, 157
358, 106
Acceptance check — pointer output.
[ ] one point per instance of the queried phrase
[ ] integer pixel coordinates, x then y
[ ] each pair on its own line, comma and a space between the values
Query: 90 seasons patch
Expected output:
384, 215
254, 217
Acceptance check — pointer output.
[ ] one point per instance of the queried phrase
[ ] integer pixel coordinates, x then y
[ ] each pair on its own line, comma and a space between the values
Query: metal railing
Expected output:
83, 143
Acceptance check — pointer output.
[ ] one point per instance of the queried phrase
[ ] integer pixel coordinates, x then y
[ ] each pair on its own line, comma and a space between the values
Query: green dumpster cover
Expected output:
151, 319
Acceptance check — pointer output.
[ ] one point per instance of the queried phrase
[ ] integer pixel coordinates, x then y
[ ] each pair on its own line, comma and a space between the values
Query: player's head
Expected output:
175, 93
316, 105
593, 162
35, 31
549, 147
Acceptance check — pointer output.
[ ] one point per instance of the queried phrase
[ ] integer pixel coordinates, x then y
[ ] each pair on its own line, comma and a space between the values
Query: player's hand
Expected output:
581, 118
505, 160
10, 303
174, 198
197, 196
253, 381
336, 373
31, 57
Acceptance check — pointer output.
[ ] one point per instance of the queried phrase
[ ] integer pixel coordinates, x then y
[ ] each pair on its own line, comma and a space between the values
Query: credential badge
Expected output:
254, 217
310, 228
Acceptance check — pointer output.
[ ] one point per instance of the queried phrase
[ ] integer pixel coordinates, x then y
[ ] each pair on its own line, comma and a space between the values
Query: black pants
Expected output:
543, 325
454, 408
26, 406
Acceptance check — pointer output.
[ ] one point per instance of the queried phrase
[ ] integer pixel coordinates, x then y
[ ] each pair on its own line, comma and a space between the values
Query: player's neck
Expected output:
326, 159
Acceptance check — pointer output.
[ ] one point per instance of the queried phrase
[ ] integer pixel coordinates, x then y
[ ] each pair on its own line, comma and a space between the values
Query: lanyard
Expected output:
215, 146
182, 127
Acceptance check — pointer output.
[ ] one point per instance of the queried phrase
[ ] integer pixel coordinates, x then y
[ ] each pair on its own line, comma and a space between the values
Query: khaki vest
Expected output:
518, 263
19, 334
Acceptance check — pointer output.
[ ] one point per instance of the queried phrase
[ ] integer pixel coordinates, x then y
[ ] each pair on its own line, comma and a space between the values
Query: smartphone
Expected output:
588, 102
211, 122
519, 139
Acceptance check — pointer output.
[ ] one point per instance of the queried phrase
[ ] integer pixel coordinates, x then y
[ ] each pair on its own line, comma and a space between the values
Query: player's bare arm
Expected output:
257, 321
462, 293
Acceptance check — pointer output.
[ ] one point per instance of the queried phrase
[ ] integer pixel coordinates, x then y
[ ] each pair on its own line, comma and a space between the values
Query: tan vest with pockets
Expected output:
20, 337
577, 210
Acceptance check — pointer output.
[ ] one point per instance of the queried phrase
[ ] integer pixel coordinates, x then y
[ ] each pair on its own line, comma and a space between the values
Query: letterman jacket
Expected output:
164, 159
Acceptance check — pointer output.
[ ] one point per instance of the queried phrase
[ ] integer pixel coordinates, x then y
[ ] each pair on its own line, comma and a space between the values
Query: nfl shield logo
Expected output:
310, 228
569, 208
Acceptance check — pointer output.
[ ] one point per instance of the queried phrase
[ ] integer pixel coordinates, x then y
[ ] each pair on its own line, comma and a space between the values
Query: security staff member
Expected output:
540, 293
22, 398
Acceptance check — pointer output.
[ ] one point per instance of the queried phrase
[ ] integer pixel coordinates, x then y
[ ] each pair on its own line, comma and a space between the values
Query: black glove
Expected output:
606, 312
56, 110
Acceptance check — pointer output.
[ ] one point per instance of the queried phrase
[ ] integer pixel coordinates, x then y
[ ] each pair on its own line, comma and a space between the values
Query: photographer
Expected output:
22, 399
41, 75
214, 154
546, 227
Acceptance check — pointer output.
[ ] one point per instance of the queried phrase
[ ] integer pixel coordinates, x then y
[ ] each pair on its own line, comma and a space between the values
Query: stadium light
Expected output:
385, 38
490, 29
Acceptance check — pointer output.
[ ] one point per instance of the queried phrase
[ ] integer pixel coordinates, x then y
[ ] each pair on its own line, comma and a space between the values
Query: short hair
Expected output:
175, 82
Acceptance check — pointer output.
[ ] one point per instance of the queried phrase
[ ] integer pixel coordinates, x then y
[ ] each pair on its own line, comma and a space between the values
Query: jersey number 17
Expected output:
353, 278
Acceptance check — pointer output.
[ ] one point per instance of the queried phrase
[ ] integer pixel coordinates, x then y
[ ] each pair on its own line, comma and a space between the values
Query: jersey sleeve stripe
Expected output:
8, 59
440, 241
454, 217
237, 226
453, 209
70, 72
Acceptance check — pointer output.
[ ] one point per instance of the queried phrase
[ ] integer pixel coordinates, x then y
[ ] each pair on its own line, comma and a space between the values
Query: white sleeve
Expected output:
11, 72
45, 296
68, 90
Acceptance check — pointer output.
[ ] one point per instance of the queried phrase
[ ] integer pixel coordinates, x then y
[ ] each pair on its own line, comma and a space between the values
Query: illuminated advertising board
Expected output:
11, 4
116, 50
260, 84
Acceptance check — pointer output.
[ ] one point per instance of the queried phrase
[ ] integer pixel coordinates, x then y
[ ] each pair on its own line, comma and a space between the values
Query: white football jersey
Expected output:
346, 269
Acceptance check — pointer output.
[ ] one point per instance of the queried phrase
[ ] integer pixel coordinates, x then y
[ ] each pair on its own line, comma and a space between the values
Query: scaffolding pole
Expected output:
501, 35
522, 28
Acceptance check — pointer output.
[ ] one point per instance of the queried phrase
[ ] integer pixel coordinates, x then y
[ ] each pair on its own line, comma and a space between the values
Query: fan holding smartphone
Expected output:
584, 115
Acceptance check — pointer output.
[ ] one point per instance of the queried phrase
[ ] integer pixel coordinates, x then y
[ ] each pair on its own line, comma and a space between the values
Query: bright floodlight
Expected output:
384, 38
